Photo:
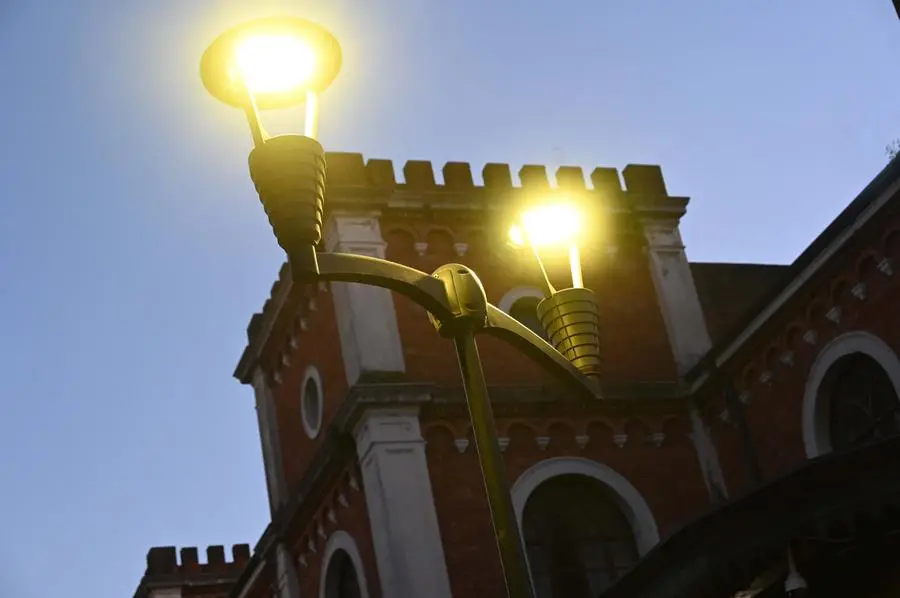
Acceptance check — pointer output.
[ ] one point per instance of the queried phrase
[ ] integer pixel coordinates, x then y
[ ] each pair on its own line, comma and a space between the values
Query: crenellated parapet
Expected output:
351, 178
169, 570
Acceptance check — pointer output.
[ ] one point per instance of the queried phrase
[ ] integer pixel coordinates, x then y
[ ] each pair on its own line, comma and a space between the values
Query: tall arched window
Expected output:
577, 538
341, 580
863, 405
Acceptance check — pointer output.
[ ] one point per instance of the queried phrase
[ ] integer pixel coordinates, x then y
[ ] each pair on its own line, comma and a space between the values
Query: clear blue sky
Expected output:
133, 250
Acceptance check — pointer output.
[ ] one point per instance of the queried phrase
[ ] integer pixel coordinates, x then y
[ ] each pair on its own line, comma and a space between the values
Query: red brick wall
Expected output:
353, 519
463, 518
668, 477
774, 412
730, 451
319, 346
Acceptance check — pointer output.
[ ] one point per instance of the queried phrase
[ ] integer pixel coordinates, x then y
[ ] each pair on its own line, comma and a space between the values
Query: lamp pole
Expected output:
289, 173
469, 303
493, 470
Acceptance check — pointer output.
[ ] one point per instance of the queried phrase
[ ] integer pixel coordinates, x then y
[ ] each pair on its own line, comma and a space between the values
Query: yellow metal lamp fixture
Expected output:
273, 63
569, 316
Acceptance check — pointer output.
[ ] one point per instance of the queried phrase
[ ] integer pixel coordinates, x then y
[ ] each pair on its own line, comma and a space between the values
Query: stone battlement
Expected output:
352, 170
164, 560
171, 569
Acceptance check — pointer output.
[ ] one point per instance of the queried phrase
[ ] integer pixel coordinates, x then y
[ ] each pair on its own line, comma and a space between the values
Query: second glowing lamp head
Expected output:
554, 224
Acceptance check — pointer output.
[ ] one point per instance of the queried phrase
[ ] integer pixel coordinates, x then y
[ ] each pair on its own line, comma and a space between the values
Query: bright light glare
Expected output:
547, 225
517, 235
275, 63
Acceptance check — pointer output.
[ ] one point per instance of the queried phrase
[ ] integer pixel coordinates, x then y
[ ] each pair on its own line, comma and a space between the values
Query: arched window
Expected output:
525, 311
342, 574
577, 538
851, 394
863, 405
521, 303
341, 580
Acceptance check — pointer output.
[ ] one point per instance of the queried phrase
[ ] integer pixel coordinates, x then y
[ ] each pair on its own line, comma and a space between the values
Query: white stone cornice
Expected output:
395, 426
356, 233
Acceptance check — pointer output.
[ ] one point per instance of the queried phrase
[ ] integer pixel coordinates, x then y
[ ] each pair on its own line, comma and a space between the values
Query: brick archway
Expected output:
633, 505
341, 541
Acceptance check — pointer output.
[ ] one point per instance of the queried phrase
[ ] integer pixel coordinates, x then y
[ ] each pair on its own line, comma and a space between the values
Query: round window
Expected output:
311, 402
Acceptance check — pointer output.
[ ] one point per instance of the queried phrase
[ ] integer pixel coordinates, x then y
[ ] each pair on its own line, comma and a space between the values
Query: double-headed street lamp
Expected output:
284, 61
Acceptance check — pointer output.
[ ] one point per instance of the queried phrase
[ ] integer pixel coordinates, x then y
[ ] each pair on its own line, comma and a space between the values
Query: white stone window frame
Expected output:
340, 540
312, 428
625, 495
509, 299
816, 436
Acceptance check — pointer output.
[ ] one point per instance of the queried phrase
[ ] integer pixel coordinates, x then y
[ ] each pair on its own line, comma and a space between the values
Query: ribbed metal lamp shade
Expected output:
289, 174
570, 318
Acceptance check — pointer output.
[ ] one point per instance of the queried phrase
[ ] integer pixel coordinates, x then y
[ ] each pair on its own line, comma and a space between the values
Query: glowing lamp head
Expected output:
274, 64
550, 225
279, 60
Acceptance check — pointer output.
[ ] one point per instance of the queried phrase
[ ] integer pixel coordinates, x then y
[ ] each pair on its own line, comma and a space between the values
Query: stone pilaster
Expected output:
271, 444
708, 458
660, 214
287, 584
367, 319
408, 547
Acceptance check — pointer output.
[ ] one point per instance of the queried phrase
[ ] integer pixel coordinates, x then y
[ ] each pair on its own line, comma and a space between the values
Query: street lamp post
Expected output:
280, 62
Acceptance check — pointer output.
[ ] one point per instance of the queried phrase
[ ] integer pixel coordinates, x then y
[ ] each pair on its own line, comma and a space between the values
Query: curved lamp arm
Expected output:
424, 289
507, 328
431, 293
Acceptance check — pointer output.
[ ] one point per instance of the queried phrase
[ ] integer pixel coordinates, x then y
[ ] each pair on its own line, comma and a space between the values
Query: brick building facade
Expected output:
724, 385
